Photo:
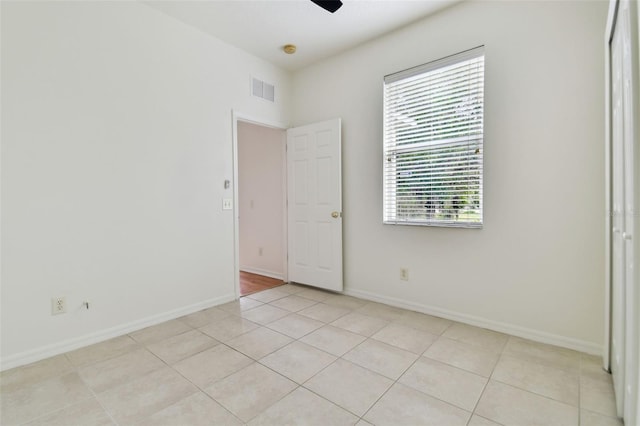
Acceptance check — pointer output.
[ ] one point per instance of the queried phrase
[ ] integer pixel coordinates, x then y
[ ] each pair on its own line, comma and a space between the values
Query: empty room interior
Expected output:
320, 213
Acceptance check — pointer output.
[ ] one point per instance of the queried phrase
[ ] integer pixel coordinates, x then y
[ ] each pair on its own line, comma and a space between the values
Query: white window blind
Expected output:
433, 136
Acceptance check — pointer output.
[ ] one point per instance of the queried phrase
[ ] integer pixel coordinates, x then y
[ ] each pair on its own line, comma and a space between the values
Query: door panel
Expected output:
315, 204
617, 265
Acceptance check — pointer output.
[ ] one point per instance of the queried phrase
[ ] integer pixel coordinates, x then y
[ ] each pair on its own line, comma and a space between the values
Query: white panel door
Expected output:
315, 204
625, 291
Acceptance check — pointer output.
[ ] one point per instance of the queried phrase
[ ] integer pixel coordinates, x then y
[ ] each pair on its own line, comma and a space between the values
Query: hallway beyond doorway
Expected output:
251, 283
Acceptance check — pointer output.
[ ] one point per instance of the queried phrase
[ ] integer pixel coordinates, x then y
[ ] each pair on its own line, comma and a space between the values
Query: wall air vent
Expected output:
264, 90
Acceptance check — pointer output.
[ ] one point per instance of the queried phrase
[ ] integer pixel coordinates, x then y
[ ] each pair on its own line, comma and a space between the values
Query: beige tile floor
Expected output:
296, 355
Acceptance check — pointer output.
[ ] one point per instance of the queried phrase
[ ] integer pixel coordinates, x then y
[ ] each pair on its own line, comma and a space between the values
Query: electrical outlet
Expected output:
227, 204
58, 305
404, 274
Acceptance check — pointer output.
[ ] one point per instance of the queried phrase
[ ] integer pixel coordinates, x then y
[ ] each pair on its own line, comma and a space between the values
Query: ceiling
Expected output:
263, 27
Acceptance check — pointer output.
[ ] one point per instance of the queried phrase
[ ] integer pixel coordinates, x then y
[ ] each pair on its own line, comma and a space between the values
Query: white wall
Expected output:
536, 269
261, 169
116, 140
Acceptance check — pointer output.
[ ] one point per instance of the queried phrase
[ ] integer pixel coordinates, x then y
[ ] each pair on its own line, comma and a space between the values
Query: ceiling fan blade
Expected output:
329, 5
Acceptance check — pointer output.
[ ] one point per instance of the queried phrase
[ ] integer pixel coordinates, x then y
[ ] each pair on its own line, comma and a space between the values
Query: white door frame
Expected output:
608, 36
236, 117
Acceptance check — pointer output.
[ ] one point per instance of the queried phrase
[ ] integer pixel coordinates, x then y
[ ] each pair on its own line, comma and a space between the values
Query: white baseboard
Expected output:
264, 272
47, 351
514, 330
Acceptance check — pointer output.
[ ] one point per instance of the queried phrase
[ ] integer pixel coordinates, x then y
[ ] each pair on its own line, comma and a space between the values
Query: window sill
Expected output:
467, 225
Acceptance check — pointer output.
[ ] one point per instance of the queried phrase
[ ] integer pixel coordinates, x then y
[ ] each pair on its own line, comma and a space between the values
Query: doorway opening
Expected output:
260, 206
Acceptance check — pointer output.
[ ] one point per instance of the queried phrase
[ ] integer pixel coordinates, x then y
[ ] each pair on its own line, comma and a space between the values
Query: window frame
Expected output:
390, 179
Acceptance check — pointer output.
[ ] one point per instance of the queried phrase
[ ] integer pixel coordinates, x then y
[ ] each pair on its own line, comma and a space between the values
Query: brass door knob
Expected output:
335, 215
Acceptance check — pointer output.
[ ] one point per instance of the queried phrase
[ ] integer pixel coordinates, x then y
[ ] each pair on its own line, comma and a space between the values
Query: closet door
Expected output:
624, 178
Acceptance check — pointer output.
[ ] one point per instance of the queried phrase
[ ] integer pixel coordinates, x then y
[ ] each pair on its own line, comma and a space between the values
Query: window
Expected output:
433, 135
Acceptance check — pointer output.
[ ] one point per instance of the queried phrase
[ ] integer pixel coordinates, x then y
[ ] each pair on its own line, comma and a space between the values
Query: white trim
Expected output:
514, 330
238, 116
285, 212
606, 350
47, 351
263, 272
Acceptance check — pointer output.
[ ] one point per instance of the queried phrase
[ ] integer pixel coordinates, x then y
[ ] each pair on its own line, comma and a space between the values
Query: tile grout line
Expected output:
138, 345
301, 385
484, 388
298, 385
330, 364
95, 396
194, 384
254, 361
580, 392
502, 354
142, 345
400, 376
489, 381
423, 393
74, 370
